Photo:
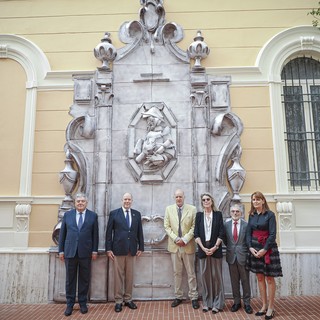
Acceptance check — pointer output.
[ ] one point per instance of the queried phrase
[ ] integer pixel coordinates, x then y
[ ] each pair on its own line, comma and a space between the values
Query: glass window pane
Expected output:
315, 98
301, 102
296, 136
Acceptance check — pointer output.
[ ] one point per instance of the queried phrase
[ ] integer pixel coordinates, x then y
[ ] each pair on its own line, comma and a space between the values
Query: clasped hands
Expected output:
180, 243
210, 251
258, 254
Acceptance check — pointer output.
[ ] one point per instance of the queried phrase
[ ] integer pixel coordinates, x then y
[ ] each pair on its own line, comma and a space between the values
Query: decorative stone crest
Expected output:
153, 230
151, 29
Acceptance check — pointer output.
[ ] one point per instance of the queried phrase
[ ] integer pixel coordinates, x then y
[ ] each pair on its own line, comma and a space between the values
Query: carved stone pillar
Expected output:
199, 98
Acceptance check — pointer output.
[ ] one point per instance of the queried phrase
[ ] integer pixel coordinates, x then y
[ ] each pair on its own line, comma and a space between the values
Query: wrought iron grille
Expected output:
301, 103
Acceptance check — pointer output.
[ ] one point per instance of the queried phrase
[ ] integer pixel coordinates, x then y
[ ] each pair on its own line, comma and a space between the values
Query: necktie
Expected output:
127, 218
235, 231
179, 216
80, 222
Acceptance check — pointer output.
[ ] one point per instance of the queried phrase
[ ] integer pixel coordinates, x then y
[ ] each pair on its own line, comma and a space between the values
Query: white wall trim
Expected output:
36, 66
33, 200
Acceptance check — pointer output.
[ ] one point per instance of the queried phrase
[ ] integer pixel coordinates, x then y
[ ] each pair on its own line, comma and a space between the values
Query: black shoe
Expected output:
118, 307
248, 309
68, 311
195, 304
83, 308
260, 313
236, 307
269, 317
176, 302
130, 304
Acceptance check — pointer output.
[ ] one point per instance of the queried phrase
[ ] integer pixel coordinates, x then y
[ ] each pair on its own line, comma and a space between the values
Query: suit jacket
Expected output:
171, 225
85, 241
119, 238
217, 231
236, 250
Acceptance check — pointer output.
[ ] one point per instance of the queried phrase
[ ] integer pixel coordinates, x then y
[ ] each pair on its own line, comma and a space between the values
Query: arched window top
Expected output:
30, 56
301, 68
288, 44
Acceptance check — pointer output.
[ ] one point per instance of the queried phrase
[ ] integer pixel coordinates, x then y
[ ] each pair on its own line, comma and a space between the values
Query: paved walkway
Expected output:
300, 308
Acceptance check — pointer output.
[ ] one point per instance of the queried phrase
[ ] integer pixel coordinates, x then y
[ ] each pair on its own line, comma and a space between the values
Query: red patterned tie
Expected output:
235, 231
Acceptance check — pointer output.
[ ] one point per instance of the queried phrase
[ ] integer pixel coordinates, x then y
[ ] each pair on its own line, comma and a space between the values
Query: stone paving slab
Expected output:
300, 308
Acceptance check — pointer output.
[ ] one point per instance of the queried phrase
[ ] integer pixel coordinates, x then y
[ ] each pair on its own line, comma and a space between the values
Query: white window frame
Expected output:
294, 42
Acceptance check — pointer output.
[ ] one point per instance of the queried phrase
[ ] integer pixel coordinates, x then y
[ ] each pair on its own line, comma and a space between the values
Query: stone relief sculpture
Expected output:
149, 120
157, 148
152, 153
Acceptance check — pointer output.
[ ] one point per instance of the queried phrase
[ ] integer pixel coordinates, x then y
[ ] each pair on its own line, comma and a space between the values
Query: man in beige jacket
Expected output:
179, 224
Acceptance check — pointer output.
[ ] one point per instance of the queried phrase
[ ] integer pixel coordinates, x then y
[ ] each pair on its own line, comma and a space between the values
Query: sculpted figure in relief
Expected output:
157, 148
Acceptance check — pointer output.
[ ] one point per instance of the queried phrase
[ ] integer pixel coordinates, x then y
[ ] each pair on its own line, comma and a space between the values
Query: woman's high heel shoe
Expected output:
269, 317
260, 313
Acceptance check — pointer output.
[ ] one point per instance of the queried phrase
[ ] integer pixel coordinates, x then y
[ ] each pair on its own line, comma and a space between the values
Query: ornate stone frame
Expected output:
138, 172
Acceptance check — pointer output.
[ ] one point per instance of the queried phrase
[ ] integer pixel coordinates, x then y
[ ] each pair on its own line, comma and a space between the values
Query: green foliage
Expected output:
316, 15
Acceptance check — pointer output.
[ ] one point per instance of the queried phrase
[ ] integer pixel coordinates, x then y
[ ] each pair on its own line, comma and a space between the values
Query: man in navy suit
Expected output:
124, 242
237, 250
78, 245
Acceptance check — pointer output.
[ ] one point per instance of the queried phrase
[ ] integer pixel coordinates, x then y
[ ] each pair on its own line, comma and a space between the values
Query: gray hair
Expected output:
80, 195
236, 206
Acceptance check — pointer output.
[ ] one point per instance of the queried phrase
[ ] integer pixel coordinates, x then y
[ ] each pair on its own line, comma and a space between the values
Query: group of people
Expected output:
250, 246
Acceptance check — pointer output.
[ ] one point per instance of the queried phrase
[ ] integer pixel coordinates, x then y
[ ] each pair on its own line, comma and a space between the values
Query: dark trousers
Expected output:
77, 270
238, 273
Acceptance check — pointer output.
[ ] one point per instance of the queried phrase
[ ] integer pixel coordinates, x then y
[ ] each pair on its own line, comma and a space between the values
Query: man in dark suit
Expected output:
78, 245
237, 250
124, 242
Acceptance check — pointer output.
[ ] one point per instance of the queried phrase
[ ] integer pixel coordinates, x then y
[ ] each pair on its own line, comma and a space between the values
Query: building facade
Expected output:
270, 53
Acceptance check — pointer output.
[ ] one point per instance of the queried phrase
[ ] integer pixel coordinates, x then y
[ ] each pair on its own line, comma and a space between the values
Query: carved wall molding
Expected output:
307, 43
285, 211
23, 211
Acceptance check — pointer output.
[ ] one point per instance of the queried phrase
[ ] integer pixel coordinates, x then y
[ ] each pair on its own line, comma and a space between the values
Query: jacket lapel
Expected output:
242, 233
74, 217
184, 213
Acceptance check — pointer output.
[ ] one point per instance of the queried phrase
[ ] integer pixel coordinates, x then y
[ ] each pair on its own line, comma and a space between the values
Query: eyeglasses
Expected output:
235, 211
206, 199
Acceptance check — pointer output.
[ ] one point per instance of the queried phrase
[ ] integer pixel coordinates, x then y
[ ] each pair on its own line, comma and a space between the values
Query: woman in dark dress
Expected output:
264, 259
208, 234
